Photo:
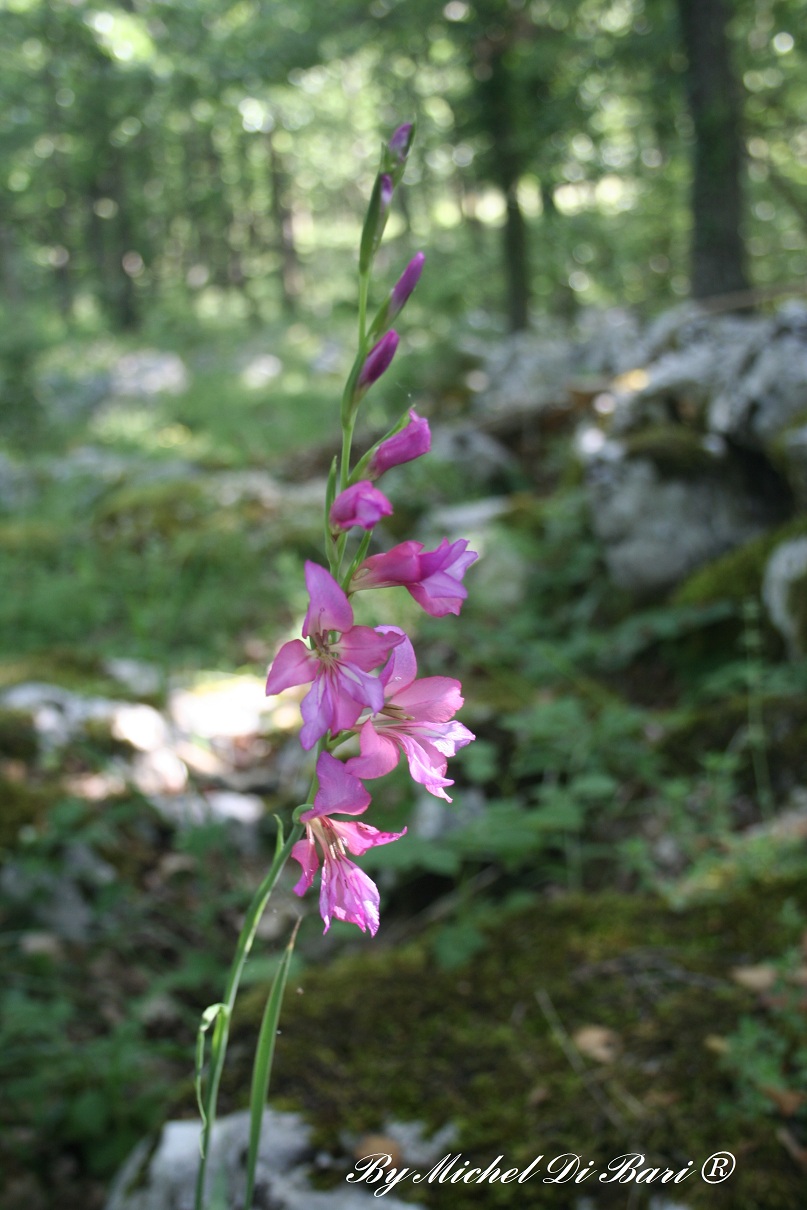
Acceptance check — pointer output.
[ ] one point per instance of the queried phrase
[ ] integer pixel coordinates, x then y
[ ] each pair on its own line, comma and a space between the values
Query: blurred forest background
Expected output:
183, 186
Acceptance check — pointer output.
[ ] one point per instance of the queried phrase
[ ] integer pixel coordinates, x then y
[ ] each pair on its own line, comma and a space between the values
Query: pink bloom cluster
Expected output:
363, 680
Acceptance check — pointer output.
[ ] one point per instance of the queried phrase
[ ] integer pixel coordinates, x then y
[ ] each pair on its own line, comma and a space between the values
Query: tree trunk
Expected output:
290, 273
506, 160
516, 264
717, 252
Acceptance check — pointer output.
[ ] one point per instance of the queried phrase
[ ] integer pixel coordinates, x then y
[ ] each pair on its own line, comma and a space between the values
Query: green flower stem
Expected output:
222, 1013
364, 290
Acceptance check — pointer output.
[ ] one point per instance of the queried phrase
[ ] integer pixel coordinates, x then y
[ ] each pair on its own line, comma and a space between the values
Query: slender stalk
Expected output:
221, 1030
364, 289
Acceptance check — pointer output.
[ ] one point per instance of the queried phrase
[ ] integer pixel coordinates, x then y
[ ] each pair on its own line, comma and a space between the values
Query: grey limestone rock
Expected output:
784, 587
163, 1177
657, 529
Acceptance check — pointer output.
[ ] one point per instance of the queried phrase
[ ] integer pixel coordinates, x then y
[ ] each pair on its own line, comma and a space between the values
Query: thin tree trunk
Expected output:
717, 252
516, 263
290, 275
506, 163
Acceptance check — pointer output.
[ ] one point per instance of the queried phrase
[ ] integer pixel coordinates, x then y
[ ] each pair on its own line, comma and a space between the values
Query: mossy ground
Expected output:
389, 1034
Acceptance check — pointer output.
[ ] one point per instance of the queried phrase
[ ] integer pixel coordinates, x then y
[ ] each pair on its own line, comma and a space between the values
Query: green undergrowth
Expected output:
472, 1045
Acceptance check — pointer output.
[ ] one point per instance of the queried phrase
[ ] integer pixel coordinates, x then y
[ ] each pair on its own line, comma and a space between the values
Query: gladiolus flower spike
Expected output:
363, 681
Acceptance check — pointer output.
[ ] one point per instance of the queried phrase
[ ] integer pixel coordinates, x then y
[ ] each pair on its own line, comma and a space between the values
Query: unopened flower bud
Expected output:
405, 284
378, 360
410, 443
362, 505
401, 141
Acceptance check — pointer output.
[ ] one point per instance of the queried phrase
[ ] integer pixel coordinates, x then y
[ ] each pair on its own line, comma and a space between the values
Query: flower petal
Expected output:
329, 608
379, 754
348, 894
339, 790
359, 837
432, 699
294, 664
305, 851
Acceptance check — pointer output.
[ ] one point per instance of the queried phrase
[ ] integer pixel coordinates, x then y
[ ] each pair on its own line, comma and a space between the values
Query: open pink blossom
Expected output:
432, 577
346, 892
361, 504
416, 720
339, 668
409, 443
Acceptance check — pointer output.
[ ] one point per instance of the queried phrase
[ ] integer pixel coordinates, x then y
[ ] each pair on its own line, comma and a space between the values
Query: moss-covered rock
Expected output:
18, 738
22, 804
676, 451
68, 667
388, 1033
737, 575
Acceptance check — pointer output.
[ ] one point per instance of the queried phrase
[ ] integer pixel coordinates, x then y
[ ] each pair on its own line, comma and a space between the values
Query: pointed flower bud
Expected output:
401, 141
405, 284
410, 443
378, 360
362, 504
385, 191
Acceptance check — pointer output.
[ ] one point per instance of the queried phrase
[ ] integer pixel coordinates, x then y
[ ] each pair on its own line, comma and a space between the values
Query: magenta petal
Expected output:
379, 754
329, 608
348, 894
355, 690
426, 766
305, 851
339, 790
359, 837
294, 664
400, 565
317, 710
366, 648
432, 699
401, 668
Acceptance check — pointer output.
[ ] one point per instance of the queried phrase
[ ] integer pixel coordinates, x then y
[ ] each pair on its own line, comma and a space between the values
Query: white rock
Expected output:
148, 372
657, 530
141, 726
785, 567
165, 1179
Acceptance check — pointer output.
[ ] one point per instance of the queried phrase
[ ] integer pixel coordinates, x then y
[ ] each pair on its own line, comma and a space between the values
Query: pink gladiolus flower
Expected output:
339, 669
346, 893
410, 443
378, 360
362, 504
432, 577
416, 720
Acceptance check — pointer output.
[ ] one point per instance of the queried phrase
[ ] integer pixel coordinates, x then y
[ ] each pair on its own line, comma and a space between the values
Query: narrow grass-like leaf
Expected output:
209, 1016
264, 1056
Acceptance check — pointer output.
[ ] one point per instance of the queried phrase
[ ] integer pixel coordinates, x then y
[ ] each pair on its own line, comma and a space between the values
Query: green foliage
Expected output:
766, 1053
